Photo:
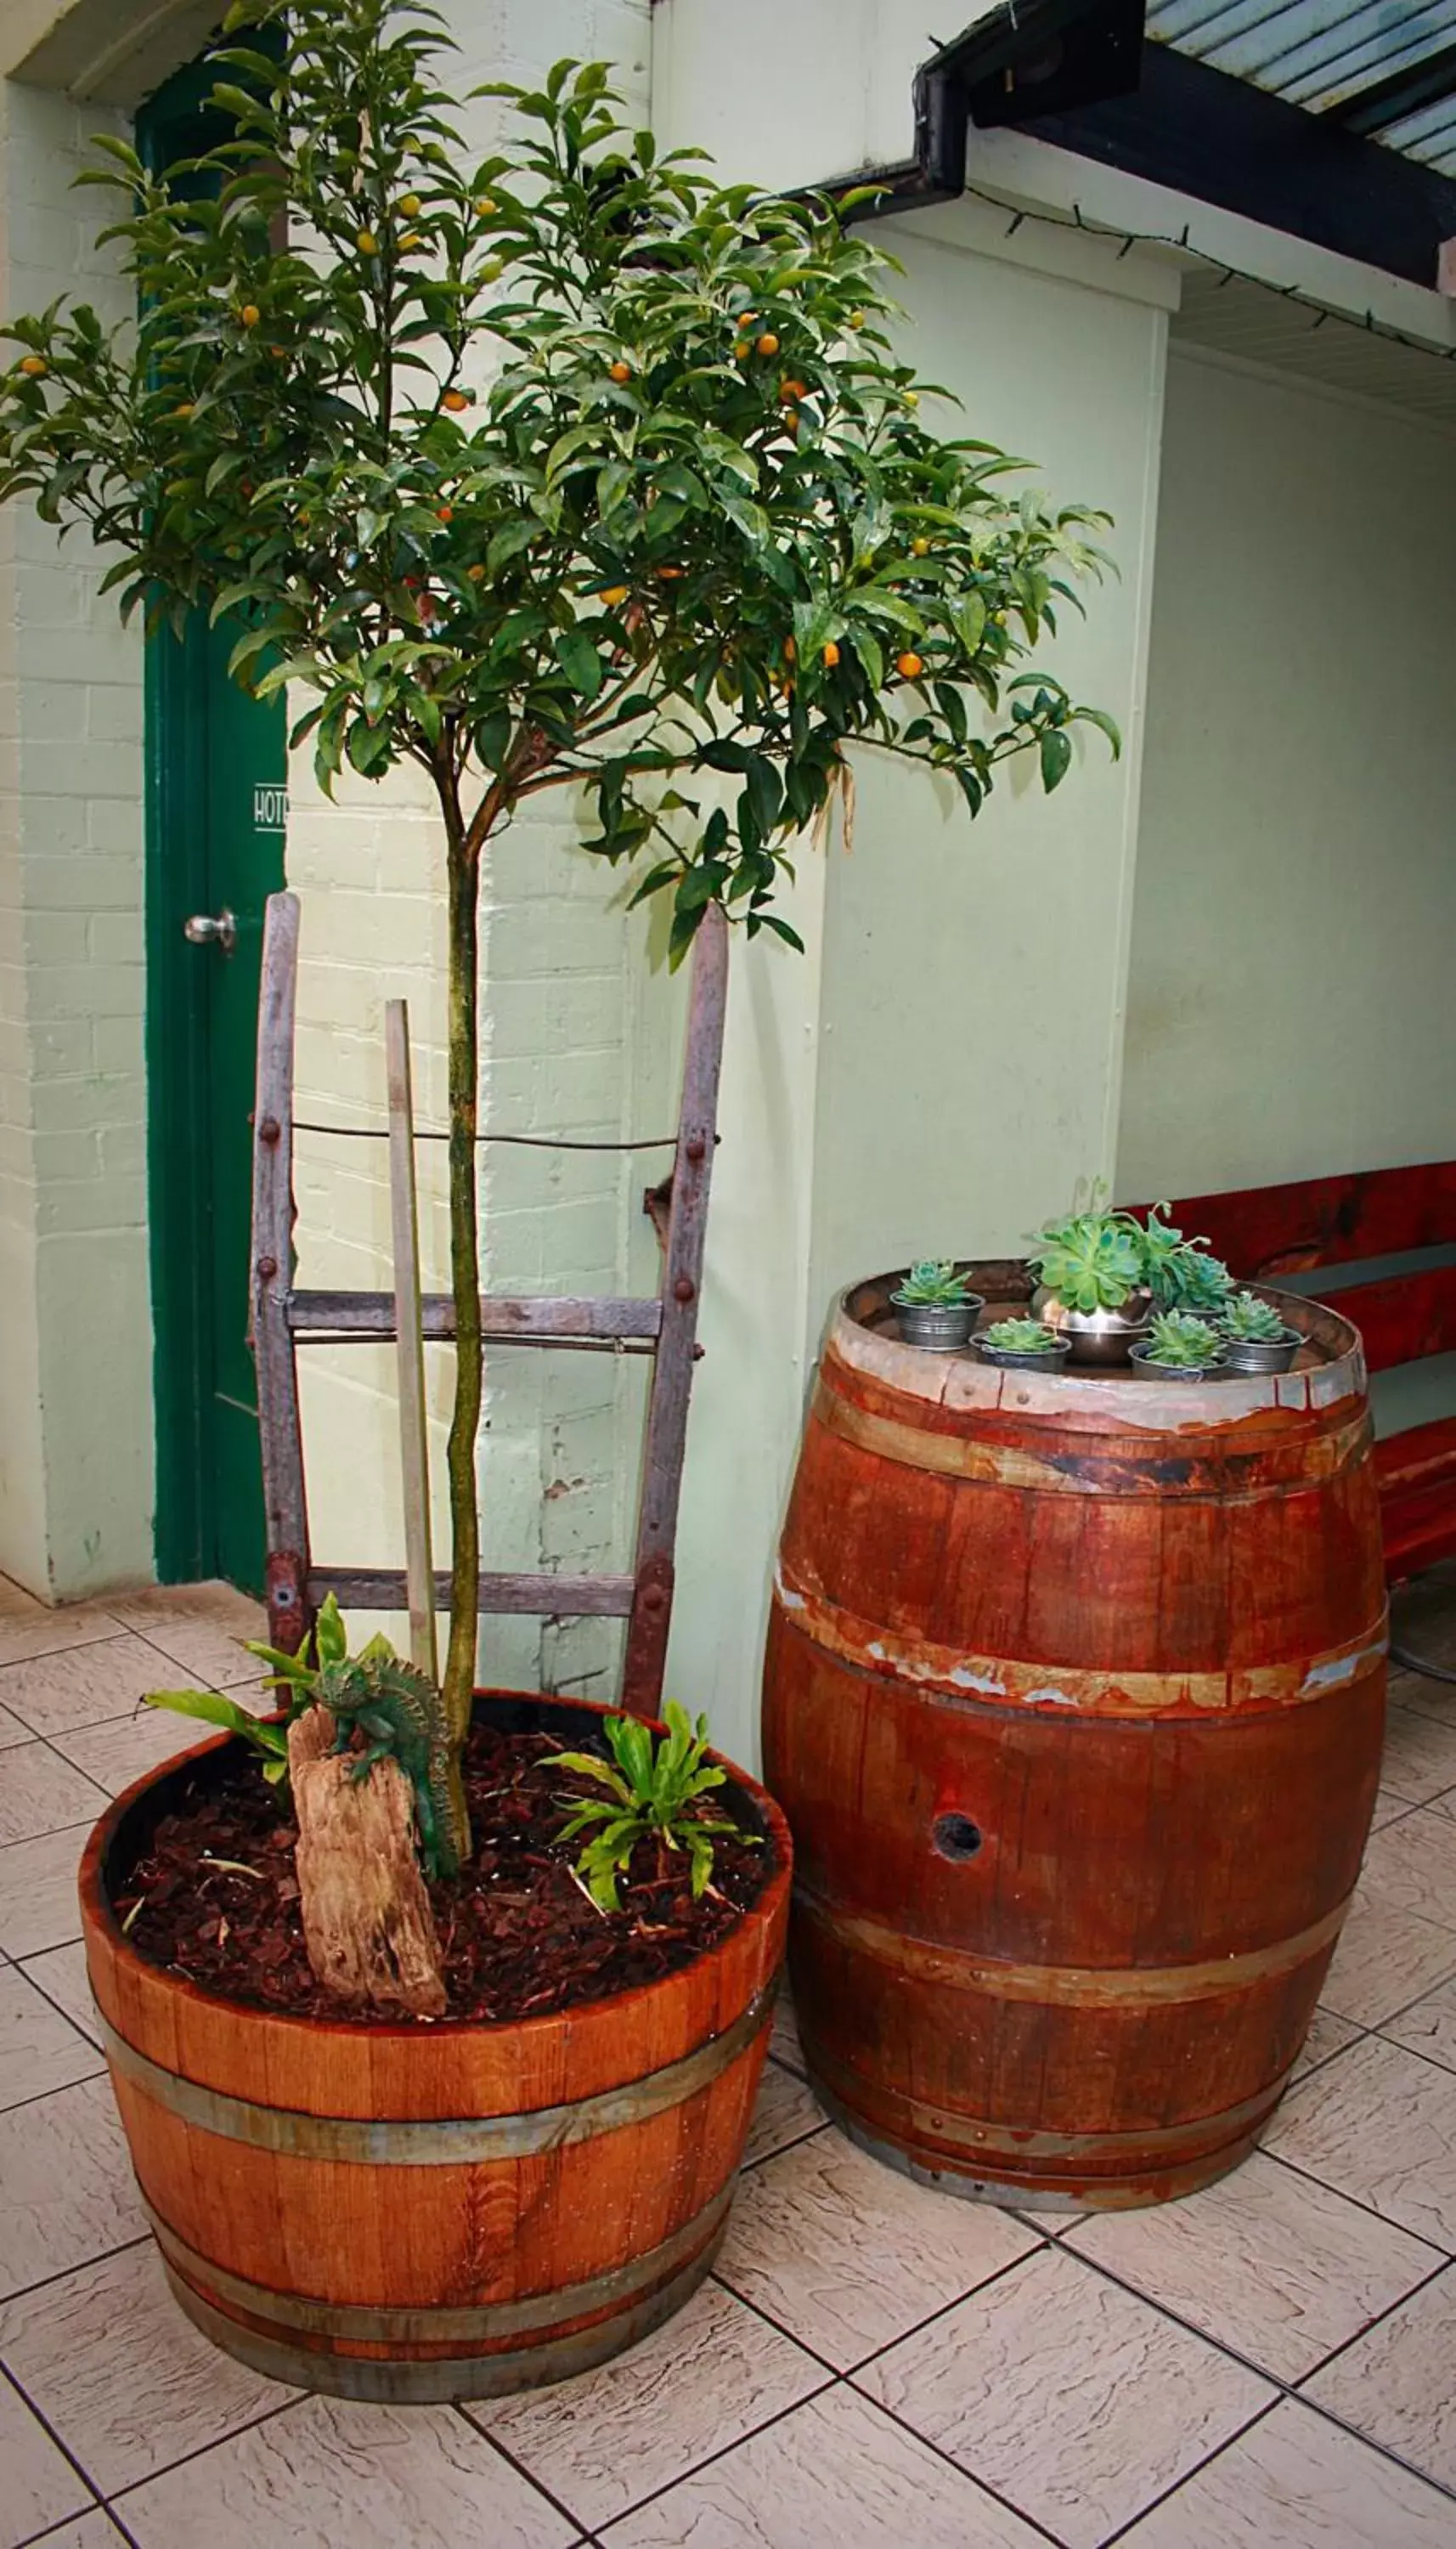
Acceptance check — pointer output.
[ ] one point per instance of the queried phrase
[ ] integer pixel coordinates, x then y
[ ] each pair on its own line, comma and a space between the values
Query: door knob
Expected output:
206, 930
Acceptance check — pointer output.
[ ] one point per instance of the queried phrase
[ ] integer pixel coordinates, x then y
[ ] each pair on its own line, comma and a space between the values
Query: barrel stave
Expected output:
1075, 1697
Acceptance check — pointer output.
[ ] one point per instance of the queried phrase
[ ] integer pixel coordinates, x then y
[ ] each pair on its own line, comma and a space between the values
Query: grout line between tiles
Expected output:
67, 2455
1358, 2200
246, 2426
18, 2106
522, 2469
22, 2292
721, 2452
849, 2379
929, 2444
36, 1984
1289, 2389
1110, 2537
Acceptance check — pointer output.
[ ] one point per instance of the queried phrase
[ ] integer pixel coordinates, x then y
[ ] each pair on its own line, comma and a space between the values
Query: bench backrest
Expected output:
1264, 1232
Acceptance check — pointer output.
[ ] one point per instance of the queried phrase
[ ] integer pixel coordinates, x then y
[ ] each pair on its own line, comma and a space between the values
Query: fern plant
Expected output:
655, 1788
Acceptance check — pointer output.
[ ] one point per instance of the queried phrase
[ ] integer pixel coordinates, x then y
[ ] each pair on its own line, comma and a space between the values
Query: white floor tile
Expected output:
87, 1683
603, 2442
327, 2474
38, 1904
39, 2050
176, 2395
1267, 2262
1296, 2483
847, 2255
38, 2486
1069, 2396
40, 1793
66, 2189
834, 2474
1379, 2125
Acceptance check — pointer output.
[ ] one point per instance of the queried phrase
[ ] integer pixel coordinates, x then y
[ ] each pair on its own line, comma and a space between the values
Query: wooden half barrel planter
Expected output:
1075, 1698
425, 2211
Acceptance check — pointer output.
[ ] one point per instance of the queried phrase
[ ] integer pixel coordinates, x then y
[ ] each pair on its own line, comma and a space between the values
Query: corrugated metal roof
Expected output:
1321, 54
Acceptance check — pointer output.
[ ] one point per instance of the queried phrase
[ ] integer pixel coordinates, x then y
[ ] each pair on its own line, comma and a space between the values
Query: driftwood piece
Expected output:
367, 1921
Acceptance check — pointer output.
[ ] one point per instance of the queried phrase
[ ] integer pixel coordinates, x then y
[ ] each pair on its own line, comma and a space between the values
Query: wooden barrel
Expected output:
410, 2212
1074, 1699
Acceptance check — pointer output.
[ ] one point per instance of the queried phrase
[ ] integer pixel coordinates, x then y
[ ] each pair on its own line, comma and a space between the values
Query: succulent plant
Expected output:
1021, 1336
1180, 1272
933, 1282
1092, 1261
1182, 1342
1250, 1321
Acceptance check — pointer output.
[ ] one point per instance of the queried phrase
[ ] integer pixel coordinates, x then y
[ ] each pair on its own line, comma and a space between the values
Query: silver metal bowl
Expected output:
938, 1327
1099, 1338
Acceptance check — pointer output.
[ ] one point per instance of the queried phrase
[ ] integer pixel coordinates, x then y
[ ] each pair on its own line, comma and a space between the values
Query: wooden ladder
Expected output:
665, 1328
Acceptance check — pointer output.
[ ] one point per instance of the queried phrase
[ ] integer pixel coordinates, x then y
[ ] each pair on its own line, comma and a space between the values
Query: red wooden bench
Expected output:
1267, 1232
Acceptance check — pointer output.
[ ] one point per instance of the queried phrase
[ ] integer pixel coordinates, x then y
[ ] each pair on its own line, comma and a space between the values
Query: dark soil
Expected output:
518, 1935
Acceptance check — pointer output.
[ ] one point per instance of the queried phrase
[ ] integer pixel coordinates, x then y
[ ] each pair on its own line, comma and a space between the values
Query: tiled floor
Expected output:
1271, 2365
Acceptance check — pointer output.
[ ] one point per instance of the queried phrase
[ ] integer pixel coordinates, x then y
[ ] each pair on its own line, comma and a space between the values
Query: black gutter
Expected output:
1076, 73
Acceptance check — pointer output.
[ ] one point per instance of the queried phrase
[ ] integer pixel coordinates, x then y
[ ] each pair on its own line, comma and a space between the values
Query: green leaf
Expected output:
580, 661
330, 1636
1106, 725
210, 1708
780, 929
1056, 757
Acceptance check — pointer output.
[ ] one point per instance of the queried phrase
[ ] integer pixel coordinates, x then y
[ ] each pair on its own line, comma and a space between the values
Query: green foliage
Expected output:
1182, 1342
1180, 1272
1021, 1336
562, 467
934, 1282
1091, 1261
563, 464
653, 1792
1250, 1321
209, 1706
399, 1712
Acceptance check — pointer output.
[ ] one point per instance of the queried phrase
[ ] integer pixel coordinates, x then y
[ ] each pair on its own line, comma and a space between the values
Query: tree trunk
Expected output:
367, 1922
463, 857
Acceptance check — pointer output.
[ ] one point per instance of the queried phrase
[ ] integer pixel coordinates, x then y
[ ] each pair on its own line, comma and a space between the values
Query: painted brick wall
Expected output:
558, 970
75, 1414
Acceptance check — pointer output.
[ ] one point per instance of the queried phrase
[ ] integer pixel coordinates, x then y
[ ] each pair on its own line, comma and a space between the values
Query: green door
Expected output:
216, 778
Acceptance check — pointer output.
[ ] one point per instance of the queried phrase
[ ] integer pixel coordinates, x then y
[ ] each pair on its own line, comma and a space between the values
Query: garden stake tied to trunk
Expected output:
556, 468
665, 1328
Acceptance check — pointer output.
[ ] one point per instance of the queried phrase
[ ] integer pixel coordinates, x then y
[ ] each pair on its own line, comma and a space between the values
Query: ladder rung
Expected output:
557, 1597
504, 1316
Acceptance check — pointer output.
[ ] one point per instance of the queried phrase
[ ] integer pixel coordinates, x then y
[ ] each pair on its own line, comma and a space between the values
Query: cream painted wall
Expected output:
557, 1454
1291, 1005
943, 1065
76, 1365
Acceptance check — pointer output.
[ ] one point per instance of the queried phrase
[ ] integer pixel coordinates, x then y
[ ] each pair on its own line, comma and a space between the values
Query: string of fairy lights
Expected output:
1182, 245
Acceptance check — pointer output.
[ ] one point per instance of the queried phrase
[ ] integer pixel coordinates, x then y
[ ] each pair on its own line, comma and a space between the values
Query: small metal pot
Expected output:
1146, 1362
938, 1327
1209, 1319
1252, 1353
1097, 1337
1007, 1359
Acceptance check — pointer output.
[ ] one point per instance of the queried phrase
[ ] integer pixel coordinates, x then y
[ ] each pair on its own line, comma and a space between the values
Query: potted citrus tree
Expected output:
561, 468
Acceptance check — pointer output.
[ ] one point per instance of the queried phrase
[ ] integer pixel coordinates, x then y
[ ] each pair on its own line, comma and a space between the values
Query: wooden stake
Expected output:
409, 1342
